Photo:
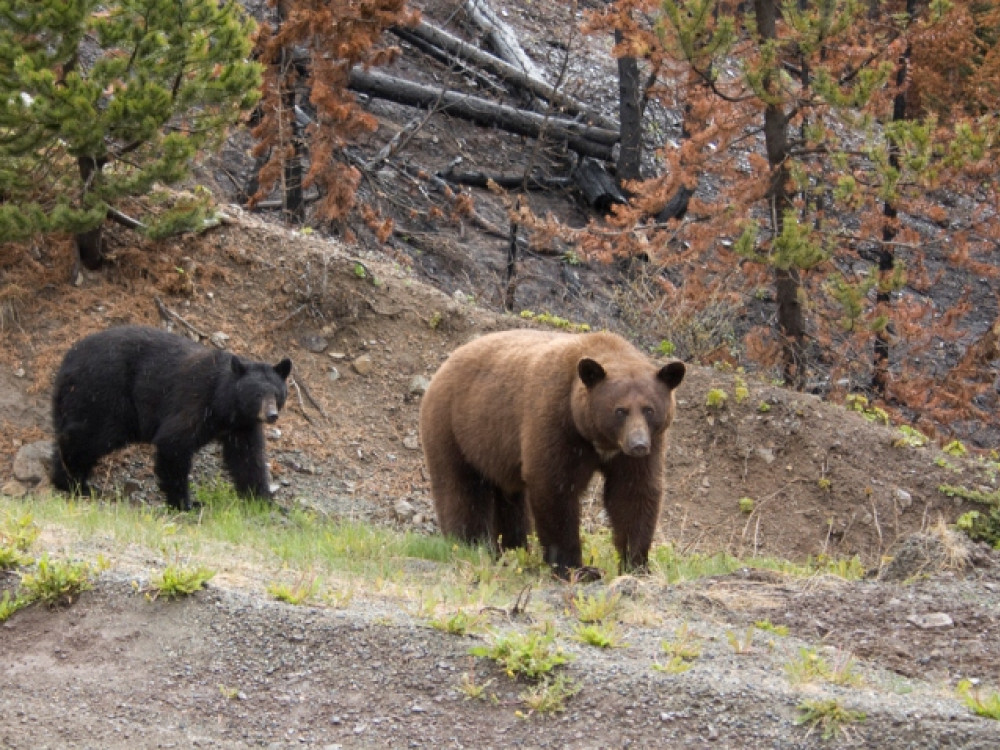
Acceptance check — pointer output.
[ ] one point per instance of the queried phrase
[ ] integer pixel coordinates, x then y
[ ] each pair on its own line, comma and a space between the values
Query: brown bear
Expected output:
518, 421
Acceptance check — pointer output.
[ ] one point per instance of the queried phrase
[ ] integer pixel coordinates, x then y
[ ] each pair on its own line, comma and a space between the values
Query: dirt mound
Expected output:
364, 333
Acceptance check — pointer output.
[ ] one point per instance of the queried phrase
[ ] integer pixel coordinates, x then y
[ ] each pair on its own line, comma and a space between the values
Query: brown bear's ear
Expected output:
283, 368
671, 375
590, 371
239, 369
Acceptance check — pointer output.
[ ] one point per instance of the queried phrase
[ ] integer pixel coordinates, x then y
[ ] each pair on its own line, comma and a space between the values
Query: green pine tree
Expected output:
101, 100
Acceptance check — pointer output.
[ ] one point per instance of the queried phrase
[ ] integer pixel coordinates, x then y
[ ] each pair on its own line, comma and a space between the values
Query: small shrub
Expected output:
716, 398
740, 391
675, 665
598, 635
910, 437
763, 407
16, 537
9, 605
741, 644
768, 626
824, 484
550, 695
829, 716
746, 505
596, 608
665, 348
857, 402
176, 581
811, 667
955, 448
531, 654
458, 623
472, 689
982, 704
57, 582
297, 593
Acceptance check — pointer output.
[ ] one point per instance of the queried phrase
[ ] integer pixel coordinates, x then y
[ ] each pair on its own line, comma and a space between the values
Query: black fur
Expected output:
143, 385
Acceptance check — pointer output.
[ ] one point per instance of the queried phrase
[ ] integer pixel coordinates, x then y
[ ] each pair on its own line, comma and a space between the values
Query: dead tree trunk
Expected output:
584, 139
630, 114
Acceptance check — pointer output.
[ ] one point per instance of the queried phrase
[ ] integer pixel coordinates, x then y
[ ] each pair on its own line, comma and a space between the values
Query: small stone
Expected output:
314, 343
766, 455
419, 385
219, 339
19, 372
334, 374
14, 489
362, 365
272, 488
418, 519
931, 620
905, 498
411, 442
33, 462
404, 509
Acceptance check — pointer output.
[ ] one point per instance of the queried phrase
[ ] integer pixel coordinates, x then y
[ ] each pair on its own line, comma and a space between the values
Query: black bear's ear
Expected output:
671, 375
239, 369
590, 371
283, 368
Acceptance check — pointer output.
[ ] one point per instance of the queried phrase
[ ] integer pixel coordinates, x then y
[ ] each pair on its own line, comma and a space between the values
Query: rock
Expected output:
931, 620
404, 509
33, 462
419, 385
219, 339
362, 365
334, 374
314, 343
905, 498
14, 488
411, 442
766, 455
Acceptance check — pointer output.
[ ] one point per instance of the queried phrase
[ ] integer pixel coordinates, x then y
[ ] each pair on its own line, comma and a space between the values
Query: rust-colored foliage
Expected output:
838, 180
312, 47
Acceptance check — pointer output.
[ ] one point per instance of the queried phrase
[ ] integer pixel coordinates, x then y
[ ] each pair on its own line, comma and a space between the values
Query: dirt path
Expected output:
226, 669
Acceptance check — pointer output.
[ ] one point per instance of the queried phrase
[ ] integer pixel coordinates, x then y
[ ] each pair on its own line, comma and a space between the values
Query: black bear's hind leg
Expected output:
243, 456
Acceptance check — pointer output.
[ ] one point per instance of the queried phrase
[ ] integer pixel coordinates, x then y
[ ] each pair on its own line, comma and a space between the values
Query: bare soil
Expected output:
362, 323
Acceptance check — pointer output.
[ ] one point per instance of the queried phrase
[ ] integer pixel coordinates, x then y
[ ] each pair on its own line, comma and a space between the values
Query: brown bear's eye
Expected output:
621, 413
647, 411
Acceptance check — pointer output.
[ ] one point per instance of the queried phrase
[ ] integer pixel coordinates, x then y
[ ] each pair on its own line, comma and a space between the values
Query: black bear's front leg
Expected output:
173, 468
243, 456
632, 491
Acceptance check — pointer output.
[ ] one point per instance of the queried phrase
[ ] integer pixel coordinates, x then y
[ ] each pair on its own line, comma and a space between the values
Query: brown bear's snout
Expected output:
637, 442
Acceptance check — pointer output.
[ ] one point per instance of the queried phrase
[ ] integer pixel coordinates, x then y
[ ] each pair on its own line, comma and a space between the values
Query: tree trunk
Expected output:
886, 254
791, 320
630, 115
90, 244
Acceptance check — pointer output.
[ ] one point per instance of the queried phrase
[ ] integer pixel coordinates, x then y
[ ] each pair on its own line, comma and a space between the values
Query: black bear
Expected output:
518, 422
133, 384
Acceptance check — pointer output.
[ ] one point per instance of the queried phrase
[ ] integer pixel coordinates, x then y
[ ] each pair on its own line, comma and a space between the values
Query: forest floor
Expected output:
365, 325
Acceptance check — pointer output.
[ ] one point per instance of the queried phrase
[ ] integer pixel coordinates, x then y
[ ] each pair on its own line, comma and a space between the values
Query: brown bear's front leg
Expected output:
556, 510
633, 488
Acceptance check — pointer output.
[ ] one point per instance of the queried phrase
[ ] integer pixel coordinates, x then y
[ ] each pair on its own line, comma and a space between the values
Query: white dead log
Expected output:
466, 52
502, 37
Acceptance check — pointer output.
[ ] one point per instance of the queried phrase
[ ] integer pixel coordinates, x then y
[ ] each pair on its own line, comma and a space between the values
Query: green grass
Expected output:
175, 581
267, 544
979, 700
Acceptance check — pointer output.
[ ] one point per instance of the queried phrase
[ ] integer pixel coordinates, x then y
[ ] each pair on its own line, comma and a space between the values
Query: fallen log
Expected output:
584, 139
501, 36
600, 189
440, 39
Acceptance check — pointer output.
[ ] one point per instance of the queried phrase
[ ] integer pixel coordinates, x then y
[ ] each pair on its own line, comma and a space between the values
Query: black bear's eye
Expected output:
621, 412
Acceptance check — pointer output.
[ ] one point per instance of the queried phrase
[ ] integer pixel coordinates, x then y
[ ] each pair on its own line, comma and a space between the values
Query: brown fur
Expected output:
520, 420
